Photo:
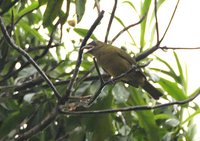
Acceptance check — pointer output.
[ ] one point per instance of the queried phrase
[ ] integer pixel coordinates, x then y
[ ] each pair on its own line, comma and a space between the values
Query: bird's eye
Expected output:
93, 43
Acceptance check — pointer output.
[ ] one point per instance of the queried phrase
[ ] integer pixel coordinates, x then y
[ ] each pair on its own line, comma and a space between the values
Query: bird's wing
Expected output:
126, 56
131, 60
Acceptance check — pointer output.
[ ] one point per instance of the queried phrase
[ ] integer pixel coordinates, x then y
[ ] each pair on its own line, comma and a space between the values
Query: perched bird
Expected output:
116, 61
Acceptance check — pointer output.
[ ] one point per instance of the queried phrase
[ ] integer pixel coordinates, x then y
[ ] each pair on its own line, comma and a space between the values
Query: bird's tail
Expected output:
155, 93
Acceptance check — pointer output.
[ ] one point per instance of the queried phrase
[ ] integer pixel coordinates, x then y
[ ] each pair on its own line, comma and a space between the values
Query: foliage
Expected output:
26, 99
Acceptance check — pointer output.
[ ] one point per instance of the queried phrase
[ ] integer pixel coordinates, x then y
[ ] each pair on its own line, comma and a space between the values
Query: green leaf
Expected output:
172, 122
63, 17
171, 70
52, 11
5, 5
30, 30
18, 35
182, 78
78, 134
196, 91
83, 32
163, 71
131, 4
121, 22
173, 89
191, 117
120, 93
80, 9
192, 131
14, 119
144, 9
10, 123
153, 30
146, 118
162, 116
97, 125
168, 136
160, 2
33, 5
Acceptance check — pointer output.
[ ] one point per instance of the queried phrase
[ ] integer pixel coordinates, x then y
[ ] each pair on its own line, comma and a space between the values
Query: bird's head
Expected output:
94, 47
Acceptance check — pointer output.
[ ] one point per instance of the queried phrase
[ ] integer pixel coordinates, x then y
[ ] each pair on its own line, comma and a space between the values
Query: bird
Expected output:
116, 61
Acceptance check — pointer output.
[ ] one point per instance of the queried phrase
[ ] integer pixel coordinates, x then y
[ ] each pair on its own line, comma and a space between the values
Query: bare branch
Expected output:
131, 108
154, 48
126, 28
42, 47
169, 22
79, 59
110, 21
84, 77
179, 48
98, 71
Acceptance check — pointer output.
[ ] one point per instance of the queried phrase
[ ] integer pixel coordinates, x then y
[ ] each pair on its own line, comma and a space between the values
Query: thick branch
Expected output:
132, 108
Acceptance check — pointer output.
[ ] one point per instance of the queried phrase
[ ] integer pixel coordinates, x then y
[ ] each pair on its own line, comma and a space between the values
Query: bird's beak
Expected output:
88, 47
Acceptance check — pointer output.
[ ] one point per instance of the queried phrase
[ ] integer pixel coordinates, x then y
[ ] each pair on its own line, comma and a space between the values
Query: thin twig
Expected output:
38, 81
110, 21
97, 93
26, 55
179, 48
154, 48
82, 78
98, 71
42, 47
126, 28
131, 108
80, 97
170, 21
111, 81
79, 59
11, 25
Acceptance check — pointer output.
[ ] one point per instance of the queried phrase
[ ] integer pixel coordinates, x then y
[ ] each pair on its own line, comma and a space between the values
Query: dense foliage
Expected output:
48, 32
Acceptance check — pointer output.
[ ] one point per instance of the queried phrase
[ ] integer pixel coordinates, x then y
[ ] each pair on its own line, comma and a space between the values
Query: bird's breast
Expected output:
113, 64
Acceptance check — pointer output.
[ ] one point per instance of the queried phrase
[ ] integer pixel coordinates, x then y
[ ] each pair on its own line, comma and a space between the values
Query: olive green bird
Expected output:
116, 61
